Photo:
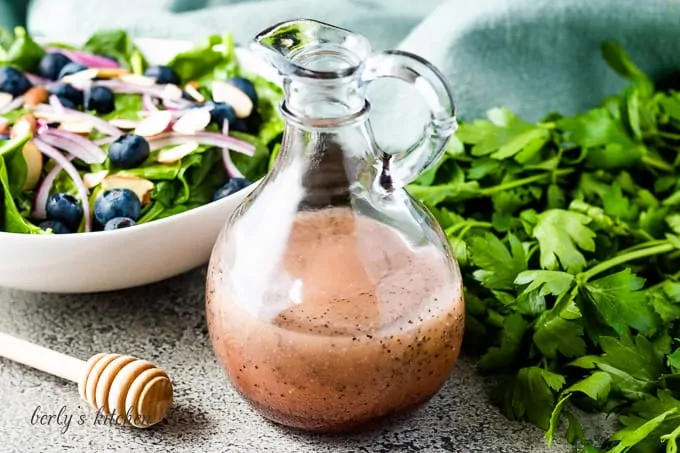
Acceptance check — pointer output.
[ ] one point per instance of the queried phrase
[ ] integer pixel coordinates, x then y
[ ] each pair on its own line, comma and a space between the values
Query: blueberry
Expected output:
100, 99
71, 68
129, 150
246, 86
13, 81
221, 112
231, 187
56, 226
4, 137
52, 64
66, 102
163, 75
67, 91
117, 203
64, 208
250, 125
119, 222
240, 125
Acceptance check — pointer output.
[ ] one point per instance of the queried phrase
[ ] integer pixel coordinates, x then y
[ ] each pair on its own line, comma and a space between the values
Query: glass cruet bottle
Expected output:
333, 300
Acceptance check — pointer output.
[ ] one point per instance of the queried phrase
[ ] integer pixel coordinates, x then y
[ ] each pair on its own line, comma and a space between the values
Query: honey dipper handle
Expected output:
40, 358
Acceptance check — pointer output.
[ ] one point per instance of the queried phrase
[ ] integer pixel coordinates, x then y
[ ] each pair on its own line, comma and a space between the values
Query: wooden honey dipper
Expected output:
135, 392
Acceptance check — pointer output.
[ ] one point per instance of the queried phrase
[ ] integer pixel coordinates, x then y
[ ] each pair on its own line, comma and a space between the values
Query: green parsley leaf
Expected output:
667, 308
636, 357
498, 357
554, 418
618, 299
558, 334
558, 233
616, 204
630, 437
531, 396
674, 361
545, 282
618, 59
503, 136
498, 266
597, 386
596, 128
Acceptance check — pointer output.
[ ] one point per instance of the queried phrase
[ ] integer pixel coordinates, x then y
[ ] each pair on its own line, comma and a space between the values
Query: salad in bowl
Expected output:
123, 158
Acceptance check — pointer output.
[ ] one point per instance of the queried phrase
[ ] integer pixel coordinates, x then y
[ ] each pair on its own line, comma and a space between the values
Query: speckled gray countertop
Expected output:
165, 323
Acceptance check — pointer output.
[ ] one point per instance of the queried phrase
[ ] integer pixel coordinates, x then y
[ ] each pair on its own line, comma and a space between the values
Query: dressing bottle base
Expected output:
331, 426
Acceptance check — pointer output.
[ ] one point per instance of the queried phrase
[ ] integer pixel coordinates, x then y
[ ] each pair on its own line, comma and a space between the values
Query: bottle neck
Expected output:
325, 103
328, 161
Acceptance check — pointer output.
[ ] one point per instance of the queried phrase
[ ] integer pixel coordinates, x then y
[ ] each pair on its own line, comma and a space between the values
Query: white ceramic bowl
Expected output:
113, 260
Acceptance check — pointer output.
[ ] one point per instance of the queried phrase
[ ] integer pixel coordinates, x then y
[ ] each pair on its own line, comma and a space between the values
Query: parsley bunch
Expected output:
567, 232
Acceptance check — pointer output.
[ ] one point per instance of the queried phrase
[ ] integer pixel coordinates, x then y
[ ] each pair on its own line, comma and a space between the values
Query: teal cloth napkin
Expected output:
533, 56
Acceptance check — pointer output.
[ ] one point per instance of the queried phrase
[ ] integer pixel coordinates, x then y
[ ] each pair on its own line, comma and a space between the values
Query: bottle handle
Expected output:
406, 166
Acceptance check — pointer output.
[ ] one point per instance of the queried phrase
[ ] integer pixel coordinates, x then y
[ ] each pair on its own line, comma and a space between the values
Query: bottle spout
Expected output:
307, 48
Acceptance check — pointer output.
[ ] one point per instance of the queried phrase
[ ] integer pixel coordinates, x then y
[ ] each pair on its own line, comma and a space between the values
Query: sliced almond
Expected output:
137, 79
154, 124
140, 186
168, 156
87, 74
5, 100
36, 95
111, 73
48, 116
34, 165
24, 125
76, 127
92, 180
191, 90
192, 121
172, 92
229, 94
122, 123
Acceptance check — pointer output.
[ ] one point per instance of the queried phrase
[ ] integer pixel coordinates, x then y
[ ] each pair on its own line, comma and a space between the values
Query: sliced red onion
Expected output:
98, 123
157, 91
15, 104
56, 104
42, 126
43, 193
85, 58
59, 158
204, 138
74, 144
229, 165
37, 80
147, 102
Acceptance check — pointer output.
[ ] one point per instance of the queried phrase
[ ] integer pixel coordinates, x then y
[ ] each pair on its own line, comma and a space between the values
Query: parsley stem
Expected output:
523, 182
624, 258
466, 225
671, 437
657, 163
644, 245
668, 135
